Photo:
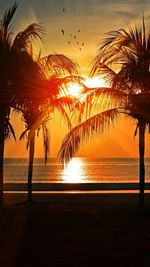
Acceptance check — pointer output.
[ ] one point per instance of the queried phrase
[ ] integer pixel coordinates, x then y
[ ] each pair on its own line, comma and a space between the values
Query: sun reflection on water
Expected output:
74, 172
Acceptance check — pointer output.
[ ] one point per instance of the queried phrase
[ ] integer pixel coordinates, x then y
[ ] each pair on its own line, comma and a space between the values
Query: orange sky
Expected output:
93, 18
117, 142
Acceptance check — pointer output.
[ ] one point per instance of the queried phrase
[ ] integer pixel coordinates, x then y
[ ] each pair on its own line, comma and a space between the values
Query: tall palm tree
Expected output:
12, 55
124, 59
35, 118
35, 112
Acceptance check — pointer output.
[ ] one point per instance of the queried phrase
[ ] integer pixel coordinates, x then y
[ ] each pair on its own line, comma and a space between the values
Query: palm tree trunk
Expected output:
142, 166
30, 169
1, 164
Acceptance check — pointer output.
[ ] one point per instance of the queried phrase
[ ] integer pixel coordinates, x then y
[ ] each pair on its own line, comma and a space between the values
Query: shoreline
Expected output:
74, 186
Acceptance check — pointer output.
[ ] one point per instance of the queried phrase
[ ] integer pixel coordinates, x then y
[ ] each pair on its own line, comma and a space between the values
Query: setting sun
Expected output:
74, 89
95, 82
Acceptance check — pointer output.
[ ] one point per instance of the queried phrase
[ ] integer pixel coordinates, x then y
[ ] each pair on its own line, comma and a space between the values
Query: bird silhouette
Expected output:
77, 43
62, 31
64, 9
82, 44
75, 37
68, 42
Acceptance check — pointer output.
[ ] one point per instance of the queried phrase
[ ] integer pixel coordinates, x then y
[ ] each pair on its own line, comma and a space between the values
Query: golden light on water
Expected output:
73, 172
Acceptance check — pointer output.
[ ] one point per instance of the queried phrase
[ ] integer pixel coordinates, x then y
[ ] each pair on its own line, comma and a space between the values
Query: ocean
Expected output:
79, 170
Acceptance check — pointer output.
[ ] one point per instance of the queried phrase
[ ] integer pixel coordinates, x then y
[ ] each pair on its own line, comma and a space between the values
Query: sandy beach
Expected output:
75, 230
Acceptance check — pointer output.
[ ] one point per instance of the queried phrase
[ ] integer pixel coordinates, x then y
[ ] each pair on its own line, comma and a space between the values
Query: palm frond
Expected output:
77, 111
116, 80
34, 120
5, 123
57, 85
23, 134
101, 69
104, 98
64, 114
95, 124
118, 39
11, 130
66, 101
59, 64
120, 44
136, 129
46, 141
144, 32
8, 16
24, 38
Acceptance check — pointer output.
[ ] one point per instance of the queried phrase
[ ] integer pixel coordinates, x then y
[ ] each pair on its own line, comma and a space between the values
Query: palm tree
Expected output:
35, 118
124, 59
35, 112
12, 56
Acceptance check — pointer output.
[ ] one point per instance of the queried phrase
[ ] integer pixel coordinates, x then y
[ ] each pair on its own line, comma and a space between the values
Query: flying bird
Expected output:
64, 9
62, 31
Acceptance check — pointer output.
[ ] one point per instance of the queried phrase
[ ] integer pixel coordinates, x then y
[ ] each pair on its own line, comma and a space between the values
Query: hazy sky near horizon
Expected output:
93, 18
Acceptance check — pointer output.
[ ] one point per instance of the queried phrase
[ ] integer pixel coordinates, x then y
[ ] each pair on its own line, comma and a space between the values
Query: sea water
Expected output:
79, 170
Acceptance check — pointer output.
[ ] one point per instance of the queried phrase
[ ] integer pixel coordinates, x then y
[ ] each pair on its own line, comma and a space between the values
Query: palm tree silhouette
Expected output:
35, 119
13, 52
129, 52
35, 113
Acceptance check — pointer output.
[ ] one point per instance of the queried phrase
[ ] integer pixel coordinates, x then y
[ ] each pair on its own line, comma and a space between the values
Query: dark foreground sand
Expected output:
75, 230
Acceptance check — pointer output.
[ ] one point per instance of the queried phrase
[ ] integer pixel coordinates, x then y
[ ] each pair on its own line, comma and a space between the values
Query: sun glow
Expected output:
95, 82
74, 89
73, 172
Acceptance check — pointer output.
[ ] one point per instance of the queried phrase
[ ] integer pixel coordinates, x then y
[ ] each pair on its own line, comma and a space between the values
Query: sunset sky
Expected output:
88, 20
